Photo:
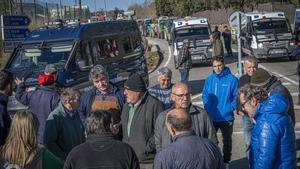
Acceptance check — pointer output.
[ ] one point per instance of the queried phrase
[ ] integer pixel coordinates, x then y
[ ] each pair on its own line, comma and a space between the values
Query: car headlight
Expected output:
260, 45
292, 43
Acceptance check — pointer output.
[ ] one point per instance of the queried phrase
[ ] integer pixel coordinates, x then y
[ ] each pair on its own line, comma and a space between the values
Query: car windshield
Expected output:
34, 58
193, 31
271, 26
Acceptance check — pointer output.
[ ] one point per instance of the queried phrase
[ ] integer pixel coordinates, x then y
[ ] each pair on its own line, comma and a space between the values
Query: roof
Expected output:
82, 31
263, 15
190, 21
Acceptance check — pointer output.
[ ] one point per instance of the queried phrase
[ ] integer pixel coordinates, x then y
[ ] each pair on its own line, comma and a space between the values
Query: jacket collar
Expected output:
224, 72
186, 134
64, 112
192, 108
100, 137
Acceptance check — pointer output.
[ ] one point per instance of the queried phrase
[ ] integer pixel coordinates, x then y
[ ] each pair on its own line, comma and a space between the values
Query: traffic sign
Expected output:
11, 34
12, 21
9, 46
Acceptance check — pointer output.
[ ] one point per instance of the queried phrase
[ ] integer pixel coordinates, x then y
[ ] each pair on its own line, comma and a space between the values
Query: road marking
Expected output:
279, 75
169, 58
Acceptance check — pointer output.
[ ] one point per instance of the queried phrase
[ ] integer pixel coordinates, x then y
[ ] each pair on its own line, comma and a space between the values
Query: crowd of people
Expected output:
158, 127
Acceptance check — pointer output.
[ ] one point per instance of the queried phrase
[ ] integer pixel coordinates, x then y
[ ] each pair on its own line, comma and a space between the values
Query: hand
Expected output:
19, 81
115, 128
240, 113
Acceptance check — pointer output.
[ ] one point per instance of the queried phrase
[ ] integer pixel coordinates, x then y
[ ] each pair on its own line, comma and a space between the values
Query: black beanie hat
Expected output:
135, 83
260, 78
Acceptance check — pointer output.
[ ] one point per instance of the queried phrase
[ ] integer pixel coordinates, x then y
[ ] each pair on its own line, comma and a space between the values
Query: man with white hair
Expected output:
162, 91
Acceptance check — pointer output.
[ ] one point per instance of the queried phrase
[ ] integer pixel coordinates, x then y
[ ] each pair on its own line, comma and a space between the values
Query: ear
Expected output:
173, 131
172, 97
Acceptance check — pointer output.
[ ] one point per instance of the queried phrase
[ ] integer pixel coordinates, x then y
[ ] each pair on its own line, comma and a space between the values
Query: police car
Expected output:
197, 31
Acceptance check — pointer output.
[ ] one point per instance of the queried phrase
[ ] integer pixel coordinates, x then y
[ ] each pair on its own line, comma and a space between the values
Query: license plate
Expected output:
276, 51
197, 57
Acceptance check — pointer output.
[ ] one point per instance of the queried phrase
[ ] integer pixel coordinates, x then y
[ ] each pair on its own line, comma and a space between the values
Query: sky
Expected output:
110, 4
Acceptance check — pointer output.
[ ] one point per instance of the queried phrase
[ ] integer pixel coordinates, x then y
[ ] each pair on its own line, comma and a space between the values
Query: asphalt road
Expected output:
284, 69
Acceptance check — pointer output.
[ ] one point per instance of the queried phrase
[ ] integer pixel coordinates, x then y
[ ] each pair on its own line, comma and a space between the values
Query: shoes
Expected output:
226, 165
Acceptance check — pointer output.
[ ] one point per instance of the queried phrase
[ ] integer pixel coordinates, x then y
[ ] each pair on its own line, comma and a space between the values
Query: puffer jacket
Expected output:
272, 144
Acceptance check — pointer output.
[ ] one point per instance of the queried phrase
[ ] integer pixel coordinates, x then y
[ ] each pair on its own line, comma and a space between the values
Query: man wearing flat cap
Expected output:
138, 119
262, 78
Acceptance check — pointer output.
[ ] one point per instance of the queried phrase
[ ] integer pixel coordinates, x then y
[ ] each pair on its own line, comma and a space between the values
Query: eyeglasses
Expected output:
181, 95
243, 104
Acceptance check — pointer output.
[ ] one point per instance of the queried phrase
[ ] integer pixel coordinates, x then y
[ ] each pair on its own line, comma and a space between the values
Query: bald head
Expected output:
181, 95
179, 120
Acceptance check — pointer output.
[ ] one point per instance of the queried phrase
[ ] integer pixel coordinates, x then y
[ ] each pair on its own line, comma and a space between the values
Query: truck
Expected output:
266, 35
162, 26
197, 31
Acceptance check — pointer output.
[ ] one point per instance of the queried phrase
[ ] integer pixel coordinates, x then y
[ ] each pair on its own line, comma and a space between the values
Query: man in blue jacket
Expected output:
43, 99
273, 138
219, 99
103, 95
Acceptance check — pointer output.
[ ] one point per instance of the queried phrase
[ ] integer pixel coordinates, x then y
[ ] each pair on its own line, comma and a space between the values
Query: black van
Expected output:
75, 49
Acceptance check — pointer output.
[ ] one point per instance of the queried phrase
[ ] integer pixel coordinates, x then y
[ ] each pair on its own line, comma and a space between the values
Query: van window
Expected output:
126, 45
105, 48
84, 57
136, 42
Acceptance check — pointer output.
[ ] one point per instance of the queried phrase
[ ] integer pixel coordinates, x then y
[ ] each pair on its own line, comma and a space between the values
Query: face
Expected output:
101, 83
218, 67
132, 97
181, 97
248, 106
73, 104
250, 67
164, 81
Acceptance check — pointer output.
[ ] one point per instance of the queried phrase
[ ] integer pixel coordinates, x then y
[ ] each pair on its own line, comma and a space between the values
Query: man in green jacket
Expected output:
64, 129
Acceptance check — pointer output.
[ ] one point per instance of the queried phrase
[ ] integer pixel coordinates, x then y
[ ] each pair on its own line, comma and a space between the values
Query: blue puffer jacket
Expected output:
273, 138
219, 95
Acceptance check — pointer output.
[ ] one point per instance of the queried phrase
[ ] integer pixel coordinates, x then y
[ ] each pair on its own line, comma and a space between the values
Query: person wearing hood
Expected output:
41, 101
219, 99
273, 138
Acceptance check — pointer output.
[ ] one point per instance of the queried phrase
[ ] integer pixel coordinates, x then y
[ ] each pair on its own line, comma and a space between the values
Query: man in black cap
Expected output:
262, 78
138, 119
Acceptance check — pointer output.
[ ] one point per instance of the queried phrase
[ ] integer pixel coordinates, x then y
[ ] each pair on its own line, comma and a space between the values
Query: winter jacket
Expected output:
202, 125
41, 101
141, 137
44, 159
4, 118
102, 151
184, 59
189, 151
218, 49
219, 95
87, 97
63, 132
277, 87
272, 144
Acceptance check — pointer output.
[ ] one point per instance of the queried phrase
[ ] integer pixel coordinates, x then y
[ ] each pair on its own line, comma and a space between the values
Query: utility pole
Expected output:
34, 3
95, 8
61, 13
21, 7
47, 12
80, 9
57, 10
239, 45
105, 8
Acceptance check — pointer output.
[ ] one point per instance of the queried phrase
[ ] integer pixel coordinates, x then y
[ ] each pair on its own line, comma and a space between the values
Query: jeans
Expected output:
228, 48
247, 126
226, 130
184, 75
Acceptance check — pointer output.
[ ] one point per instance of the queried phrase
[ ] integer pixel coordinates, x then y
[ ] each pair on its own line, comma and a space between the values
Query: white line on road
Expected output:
169, 58
280, 75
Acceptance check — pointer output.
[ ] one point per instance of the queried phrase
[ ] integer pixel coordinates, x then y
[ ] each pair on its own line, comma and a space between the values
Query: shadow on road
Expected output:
196, 86
239, 164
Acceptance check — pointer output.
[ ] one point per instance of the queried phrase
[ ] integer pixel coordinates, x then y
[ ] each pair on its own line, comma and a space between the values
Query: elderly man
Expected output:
162, 91
250, 65
273, 138
187, 150
262, 78
101, 150
102, 96
219, 99
202, 123
138, 118
64, 129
